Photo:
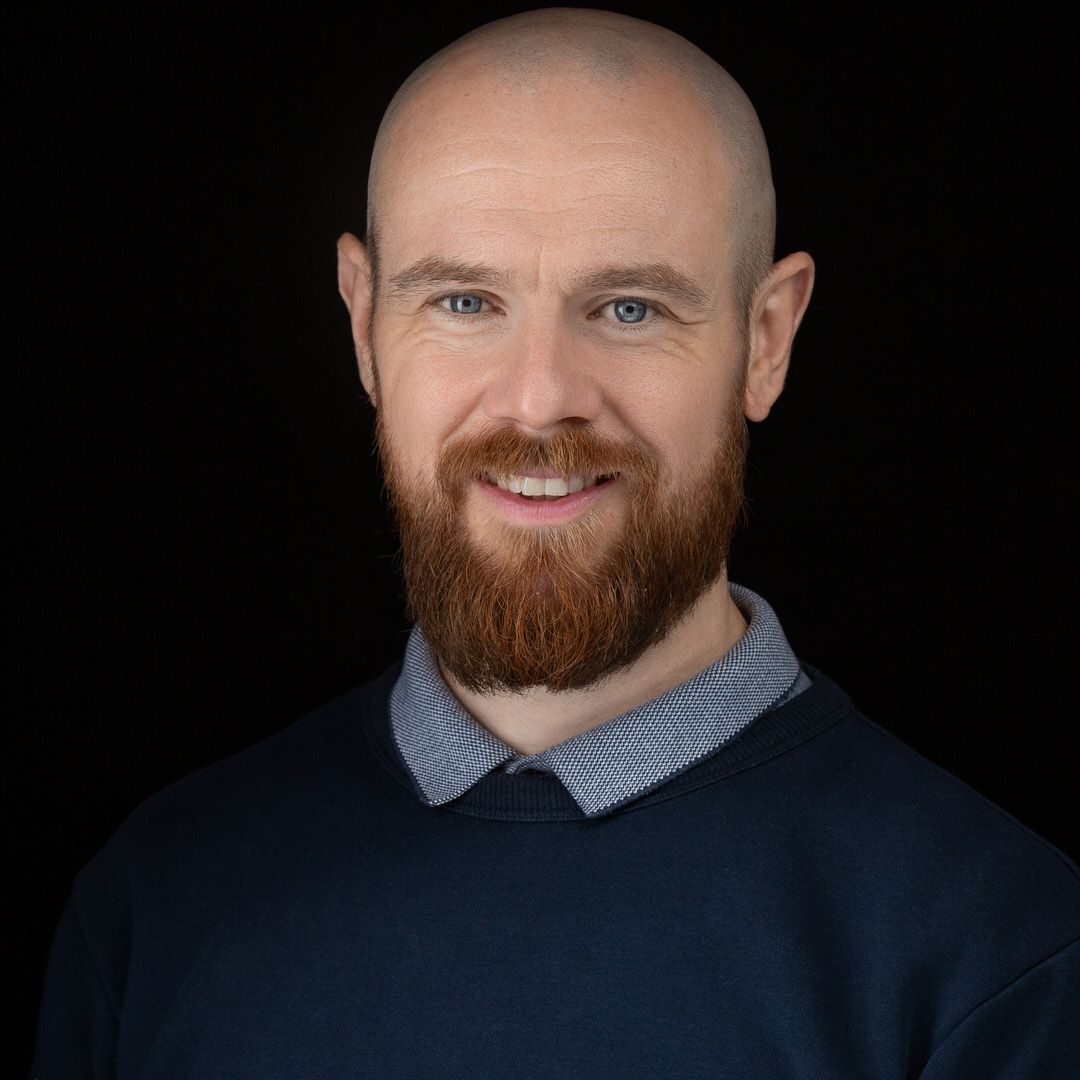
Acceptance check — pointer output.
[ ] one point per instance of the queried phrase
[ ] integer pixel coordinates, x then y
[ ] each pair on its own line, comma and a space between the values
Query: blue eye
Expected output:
630, 311
462, 303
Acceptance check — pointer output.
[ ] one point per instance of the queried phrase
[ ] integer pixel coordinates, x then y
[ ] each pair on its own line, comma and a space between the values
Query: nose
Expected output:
541, 381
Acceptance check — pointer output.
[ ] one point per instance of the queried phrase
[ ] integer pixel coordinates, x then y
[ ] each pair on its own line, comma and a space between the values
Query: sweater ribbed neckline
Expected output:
536, 796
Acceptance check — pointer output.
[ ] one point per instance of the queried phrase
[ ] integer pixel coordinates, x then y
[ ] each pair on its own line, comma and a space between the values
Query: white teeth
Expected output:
540, 487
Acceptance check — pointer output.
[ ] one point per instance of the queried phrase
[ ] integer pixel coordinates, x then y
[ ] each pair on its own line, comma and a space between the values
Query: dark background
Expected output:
207, 556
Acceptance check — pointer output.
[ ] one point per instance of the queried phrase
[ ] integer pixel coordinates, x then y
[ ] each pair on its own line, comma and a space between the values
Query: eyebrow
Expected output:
435, 272
651, 277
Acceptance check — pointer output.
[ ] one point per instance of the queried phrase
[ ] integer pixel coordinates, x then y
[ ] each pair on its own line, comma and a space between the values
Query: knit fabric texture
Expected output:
812, 901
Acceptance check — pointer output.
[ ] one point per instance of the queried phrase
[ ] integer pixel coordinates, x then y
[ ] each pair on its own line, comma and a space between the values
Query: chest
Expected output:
561, 957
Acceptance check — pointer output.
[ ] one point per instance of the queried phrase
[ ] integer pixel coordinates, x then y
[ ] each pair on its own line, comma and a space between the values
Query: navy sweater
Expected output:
814, 900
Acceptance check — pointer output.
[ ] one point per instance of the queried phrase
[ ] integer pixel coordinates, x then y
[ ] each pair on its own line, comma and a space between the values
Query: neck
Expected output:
537, 718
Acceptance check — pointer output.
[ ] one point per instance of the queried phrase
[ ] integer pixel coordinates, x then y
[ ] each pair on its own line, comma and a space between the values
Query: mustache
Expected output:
572, 451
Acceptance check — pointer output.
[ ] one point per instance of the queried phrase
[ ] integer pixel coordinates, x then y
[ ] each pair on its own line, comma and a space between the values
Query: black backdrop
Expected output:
206, 552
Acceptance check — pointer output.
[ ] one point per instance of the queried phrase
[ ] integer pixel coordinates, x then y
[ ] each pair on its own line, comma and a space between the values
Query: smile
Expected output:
545, 487
545, 501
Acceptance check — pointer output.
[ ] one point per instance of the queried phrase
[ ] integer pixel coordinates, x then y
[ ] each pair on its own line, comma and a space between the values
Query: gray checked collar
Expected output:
447, 751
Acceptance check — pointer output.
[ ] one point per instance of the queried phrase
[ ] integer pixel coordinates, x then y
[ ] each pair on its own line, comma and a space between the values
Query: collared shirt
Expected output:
447, 751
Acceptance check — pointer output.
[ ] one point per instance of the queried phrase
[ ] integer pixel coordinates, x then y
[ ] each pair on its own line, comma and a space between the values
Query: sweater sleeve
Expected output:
77, 1028
1030, 1030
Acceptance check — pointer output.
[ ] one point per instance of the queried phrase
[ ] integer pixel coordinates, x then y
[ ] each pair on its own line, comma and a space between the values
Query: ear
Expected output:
354, 285
778, 309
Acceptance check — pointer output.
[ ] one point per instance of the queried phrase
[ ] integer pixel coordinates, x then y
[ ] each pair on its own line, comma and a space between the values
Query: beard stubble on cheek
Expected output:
566, 606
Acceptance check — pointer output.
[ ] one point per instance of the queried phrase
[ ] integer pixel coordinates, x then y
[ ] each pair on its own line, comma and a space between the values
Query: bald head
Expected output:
619, 57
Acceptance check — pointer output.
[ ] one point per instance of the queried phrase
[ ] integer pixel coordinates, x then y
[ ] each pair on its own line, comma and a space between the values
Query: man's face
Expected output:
555, 301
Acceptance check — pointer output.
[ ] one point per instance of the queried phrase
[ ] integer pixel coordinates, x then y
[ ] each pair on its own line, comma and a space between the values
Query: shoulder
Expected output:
926, 814
274, 793
927, 858
929, 813
325, 748
891, 789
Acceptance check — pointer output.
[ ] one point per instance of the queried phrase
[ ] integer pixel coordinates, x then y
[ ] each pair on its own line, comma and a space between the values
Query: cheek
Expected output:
408, 429
420, 415
428, 382
683, 426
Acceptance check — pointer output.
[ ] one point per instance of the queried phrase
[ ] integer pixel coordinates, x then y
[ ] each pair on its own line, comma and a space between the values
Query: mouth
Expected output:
545, 501
547, 488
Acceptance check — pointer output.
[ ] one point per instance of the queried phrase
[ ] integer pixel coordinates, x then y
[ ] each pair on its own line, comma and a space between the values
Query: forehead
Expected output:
557, 169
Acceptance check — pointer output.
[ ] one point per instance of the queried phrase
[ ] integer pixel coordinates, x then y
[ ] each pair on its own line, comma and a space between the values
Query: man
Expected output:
600, 822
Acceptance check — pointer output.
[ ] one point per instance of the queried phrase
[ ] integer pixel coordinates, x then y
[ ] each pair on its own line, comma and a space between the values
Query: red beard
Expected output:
561, 607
